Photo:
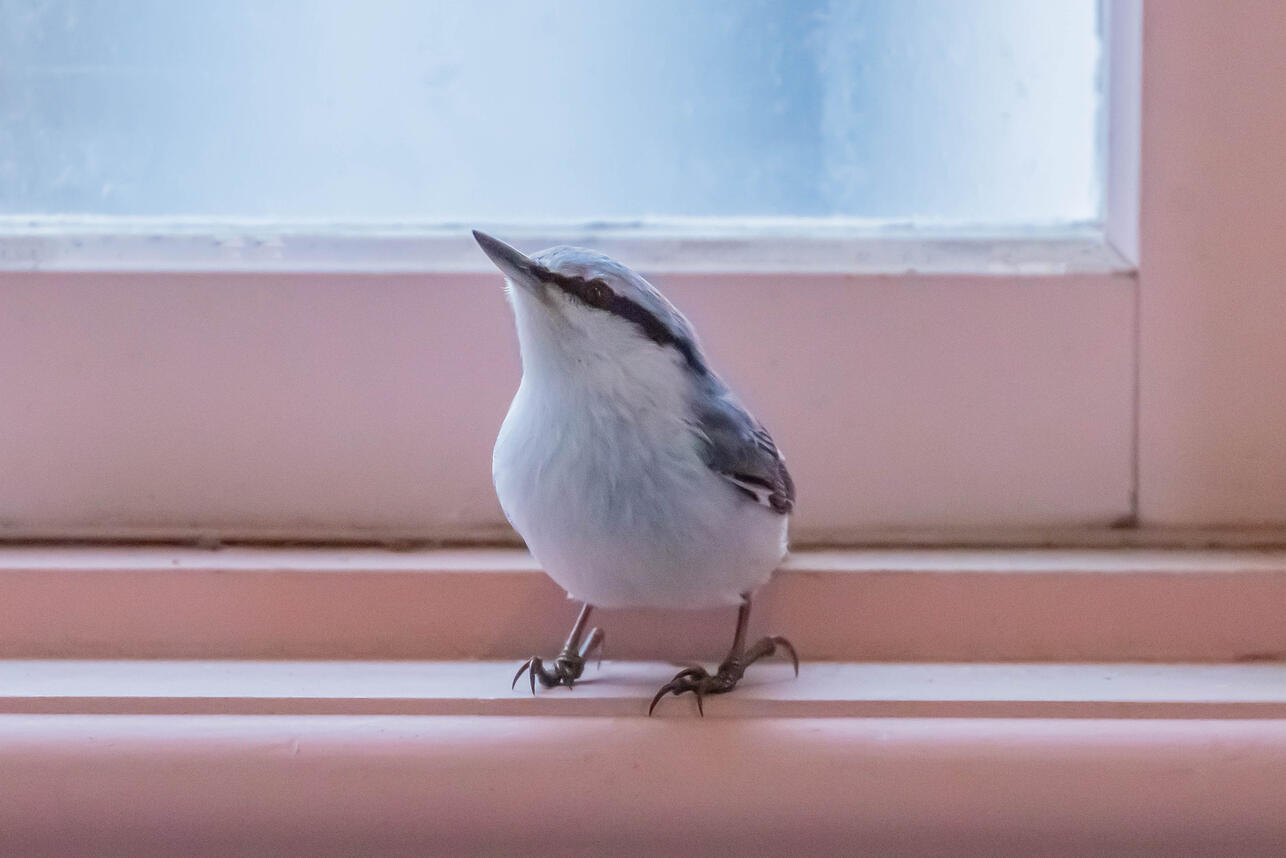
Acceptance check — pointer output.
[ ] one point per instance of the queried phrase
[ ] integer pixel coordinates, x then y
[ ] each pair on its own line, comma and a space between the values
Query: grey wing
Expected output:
737, 448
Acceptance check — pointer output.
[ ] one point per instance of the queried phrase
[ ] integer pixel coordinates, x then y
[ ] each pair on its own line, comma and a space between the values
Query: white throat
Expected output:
588, 360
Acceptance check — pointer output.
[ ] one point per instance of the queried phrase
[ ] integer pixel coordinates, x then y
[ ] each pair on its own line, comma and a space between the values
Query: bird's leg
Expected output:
570, 663
700, 682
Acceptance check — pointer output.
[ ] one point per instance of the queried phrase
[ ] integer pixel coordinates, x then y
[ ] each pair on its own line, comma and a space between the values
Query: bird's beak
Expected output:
517, 266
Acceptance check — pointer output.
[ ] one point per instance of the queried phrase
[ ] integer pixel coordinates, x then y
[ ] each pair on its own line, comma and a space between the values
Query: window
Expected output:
920, 111
991, 399
240, 300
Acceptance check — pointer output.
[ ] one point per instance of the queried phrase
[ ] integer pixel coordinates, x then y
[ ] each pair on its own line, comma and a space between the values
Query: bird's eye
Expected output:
598, 293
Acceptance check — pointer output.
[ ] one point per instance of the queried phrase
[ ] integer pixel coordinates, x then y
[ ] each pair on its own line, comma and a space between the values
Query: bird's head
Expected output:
585, 315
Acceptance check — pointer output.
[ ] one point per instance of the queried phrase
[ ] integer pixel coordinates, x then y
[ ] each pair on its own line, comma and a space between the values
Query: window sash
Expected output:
244, 381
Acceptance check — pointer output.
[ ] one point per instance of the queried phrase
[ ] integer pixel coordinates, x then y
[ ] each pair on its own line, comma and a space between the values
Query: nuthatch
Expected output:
630, 469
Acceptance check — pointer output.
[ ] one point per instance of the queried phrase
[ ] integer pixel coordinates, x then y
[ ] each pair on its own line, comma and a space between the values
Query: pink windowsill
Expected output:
180, 718
980, 605
286, 785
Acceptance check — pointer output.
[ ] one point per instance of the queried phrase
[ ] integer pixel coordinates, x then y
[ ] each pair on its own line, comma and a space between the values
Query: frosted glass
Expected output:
979, 111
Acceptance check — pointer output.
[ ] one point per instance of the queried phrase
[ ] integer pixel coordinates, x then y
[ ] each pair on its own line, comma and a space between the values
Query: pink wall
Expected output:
1213, 287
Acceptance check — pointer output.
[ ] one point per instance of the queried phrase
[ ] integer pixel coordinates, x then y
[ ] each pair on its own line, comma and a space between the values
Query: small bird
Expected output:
630, 469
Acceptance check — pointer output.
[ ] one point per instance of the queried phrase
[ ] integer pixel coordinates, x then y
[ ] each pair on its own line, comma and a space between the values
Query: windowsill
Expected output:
799, 246
979, 605
623, 689
209, 758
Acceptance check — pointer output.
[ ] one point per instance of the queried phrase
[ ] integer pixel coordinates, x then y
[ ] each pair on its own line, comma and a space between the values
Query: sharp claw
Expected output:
526, 664
566, 667
689, 679
657, 698
697, 680
790, 648
564, 671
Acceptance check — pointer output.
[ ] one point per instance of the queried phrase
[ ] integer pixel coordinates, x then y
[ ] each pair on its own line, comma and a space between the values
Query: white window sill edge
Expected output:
713, 246
616, 689
361, 758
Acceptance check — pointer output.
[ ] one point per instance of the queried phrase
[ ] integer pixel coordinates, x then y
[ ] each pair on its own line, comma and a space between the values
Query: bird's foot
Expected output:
565, 669
700, 682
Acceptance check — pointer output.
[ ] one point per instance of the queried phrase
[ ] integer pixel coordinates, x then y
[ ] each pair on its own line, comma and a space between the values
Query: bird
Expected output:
633, 473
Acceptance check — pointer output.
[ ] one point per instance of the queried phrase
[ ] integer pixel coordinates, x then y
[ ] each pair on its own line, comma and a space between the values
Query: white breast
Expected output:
615, 503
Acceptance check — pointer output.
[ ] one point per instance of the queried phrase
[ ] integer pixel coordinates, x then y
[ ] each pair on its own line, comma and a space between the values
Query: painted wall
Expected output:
1213, 287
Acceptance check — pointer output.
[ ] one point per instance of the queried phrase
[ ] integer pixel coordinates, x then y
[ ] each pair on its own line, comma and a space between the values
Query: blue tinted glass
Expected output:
982, 111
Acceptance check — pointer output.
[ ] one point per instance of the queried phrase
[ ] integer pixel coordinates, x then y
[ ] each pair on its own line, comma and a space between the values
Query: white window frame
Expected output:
924, 386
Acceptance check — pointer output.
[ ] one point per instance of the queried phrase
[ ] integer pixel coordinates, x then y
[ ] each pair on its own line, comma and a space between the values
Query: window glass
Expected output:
963, 111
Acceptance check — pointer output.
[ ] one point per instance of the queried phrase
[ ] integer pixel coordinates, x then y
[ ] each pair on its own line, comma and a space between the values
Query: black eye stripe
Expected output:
597, 294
